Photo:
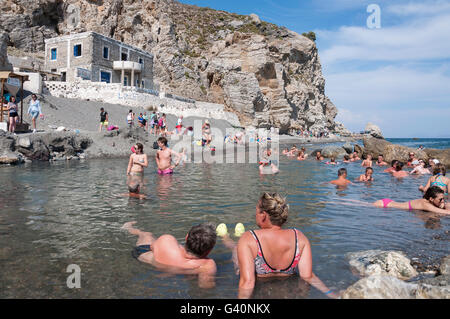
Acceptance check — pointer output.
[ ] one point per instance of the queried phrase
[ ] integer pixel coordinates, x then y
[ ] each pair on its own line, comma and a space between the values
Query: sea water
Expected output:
57, 214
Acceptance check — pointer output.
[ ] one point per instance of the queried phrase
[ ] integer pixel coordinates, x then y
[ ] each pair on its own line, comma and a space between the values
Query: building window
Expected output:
53, 54
141, 61
124, 56
143, 83
125, 81
105, 76
77, 50
106, 53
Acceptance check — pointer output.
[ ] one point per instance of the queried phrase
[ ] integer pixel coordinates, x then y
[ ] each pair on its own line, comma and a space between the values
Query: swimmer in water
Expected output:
164, 158
134, 191
137, 161
367, 162
392, 168
346, 159
332, 161
319, 156
301, 156
398, 173
286, 151
368, 176
438, 179
356, 157
342, 180
419, 168
380, 161
433, 201
166, 254
266, 165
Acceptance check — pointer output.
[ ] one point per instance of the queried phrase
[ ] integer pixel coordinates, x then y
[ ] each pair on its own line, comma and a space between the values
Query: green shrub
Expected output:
310, 35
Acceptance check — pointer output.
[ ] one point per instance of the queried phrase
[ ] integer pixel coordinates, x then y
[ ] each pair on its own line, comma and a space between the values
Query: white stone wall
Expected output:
114, 93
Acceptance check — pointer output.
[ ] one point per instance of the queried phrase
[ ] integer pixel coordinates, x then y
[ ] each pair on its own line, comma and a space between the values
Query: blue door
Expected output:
105, 77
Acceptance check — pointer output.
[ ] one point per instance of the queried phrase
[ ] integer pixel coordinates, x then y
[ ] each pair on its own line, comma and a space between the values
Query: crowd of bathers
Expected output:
270, 250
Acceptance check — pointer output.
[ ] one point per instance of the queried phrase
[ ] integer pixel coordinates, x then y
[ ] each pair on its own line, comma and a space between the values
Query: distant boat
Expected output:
415, 139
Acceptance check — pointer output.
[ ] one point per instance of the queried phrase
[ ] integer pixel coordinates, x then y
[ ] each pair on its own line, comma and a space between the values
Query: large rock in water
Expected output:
333, 151
375, 147
378, 262
374, 130
380, 287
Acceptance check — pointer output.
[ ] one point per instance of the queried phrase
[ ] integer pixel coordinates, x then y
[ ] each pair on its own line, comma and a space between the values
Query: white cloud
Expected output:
421, 39
412, 8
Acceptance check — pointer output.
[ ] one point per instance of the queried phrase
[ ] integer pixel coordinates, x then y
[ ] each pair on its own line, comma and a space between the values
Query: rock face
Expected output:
267, 75
4, 63
375, 147
377, 262
373, 130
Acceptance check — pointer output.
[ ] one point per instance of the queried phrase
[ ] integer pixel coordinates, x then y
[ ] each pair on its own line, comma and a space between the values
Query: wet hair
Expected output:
332, 159
342, 171
163, 140
380, 155
439, 169
369, 169
399, 166
201, 239
140, 147
130, 111
346, 157
433, 192
275, 206
393, 162
133, 187
102, 109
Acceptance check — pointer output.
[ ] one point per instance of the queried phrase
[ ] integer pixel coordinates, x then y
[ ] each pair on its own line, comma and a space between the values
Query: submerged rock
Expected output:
378, 262
380, 287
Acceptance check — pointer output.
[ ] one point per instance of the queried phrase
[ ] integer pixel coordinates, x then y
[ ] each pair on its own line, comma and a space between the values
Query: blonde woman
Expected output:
272, 251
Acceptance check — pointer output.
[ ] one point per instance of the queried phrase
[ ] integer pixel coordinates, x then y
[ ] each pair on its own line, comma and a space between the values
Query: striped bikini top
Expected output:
262, 267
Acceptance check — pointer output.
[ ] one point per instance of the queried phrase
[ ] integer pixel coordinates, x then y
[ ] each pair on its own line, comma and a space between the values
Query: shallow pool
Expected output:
54, 215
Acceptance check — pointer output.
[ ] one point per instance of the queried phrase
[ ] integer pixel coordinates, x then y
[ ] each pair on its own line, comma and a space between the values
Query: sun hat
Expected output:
436, 161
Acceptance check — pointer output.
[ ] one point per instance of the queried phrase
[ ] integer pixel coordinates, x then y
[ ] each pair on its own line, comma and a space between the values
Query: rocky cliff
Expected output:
268, 75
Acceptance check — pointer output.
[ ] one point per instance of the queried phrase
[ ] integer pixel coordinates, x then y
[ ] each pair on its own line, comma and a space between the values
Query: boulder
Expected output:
359, 150
333, 151
442, 155
24, 142
378, 262
380, 287
4, 62
255, 18
374, 131
390, 151
348, 147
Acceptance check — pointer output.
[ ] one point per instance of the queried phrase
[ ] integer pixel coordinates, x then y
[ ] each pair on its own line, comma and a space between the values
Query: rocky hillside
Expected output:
268, 75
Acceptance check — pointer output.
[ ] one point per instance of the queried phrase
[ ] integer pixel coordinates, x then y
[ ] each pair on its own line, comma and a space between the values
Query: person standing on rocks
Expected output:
34, 110
13, 115
103, 119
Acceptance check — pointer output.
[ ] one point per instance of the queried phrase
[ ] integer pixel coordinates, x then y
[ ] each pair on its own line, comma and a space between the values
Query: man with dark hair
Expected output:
164, 157
342, 180
165, 253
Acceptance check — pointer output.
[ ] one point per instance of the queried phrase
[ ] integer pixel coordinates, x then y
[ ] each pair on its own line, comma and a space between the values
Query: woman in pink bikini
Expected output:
272, 251
433, 201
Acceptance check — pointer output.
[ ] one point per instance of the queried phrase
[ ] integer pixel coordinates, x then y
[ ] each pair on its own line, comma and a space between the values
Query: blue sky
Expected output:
397, 76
